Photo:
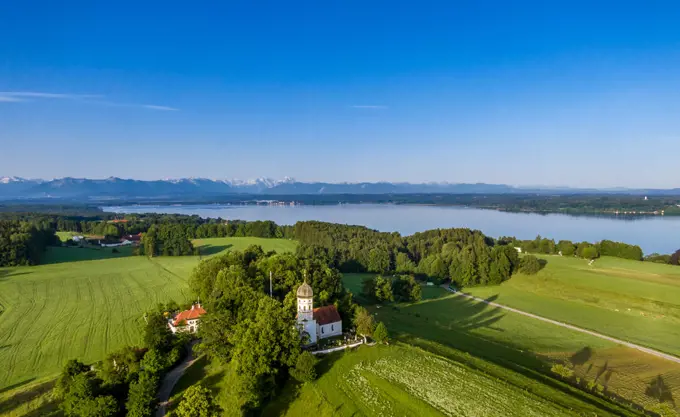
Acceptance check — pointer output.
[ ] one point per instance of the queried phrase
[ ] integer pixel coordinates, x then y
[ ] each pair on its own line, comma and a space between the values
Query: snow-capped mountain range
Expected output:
114, 187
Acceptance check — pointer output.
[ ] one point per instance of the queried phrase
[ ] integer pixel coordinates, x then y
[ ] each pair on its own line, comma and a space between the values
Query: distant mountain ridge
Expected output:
114, 187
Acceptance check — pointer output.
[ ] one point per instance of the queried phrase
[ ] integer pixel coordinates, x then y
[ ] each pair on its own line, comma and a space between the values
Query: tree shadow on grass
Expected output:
582, 356
18, 384
658, 390
449, 321
7, 273
25, 396
208, 249
49, 408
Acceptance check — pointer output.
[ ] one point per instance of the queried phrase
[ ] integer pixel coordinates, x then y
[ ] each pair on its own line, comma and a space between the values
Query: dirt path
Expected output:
171, 379
569, 326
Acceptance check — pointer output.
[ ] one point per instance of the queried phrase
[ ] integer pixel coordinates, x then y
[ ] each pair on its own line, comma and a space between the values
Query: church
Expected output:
316, 323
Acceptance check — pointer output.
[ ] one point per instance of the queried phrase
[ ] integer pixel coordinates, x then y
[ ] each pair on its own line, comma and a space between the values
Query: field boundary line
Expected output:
571, 327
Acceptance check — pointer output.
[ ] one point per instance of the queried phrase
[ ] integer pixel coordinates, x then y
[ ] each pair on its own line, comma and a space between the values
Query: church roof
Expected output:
326, 315
305, 291
195, 312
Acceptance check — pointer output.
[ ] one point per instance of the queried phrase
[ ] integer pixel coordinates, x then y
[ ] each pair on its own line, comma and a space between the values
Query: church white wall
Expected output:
329, 330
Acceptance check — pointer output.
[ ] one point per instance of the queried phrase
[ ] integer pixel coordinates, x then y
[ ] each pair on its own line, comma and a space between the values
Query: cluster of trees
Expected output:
583, 250
387, 289
672, 259
126, 382
22, 243
167, 240
255, 332
465, 256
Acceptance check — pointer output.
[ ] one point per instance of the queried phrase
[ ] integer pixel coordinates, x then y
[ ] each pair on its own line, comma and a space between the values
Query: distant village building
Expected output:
187, 320
518, 249
316, 323
77, 238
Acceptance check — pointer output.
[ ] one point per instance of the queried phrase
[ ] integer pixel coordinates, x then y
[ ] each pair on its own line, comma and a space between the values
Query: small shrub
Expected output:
380, 333
563, 371
530, 265
305, 368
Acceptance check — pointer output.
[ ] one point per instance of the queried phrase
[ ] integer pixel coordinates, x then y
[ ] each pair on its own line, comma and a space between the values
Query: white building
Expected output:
187, 320
316, 323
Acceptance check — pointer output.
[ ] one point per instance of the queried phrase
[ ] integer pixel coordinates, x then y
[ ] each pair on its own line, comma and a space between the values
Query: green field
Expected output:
634, 301
52, 313
407, 381
523, 343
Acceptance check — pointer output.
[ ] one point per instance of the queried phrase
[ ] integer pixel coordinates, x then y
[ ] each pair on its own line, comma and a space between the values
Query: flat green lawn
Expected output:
406, 381
215, 245
59, 254
86, 309
522, 343
207, 247
634, 301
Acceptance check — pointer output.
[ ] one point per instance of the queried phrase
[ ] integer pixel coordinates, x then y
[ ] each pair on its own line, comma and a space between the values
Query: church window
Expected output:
322, 329
331, 327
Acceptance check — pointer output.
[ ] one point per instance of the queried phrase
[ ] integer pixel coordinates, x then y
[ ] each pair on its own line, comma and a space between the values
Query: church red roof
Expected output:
195, 312
326, 315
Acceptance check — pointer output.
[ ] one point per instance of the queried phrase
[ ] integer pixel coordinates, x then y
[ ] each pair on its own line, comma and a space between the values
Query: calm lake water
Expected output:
653, 234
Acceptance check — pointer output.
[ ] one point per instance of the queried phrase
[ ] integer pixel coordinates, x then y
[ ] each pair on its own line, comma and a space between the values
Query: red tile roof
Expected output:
195, 312
326, 315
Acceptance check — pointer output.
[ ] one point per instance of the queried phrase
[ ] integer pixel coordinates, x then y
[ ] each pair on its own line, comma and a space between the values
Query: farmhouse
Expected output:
316, 323
187, 320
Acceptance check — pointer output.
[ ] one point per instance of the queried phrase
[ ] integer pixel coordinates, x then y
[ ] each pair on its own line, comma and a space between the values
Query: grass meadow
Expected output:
87, 309
527, 345
402, 380
634, 301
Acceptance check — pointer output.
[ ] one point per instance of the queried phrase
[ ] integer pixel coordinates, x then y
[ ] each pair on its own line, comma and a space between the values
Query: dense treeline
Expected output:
254, 332
465, 256
114, 225
22, 243
584, 249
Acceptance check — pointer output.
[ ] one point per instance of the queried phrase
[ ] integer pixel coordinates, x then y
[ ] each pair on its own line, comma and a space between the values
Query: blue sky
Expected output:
569, 93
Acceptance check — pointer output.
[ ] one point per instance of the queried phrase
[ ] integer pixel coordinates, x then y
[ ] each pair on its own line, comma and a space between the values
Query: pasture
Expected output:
406, 381
87, 309
634, 301
522, 343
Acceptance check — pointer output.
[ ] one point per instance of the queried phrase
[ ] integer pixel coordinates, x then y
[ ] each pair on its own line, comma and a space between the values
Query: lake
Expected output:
653, 234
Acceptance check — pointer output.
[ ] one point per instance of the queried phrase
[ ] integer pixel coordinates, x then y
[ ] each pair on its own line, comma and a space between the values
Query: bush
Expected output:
563, 371
305, 368
530, 265
595, 387
198, 401
380, 333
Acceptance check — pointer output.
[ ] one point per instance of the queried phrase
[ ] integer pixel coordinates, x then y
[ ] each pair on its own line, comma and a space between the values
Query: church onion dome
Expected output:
305, 291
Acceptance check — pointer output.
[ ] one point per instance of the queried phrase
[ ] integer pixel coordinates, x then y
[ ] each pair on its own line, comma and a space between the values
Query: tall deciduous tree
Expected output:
198, 401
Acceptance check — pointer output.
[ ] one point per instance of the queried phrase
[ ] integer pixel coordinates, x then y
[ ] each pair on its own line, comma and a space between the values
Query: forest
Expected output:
23, 243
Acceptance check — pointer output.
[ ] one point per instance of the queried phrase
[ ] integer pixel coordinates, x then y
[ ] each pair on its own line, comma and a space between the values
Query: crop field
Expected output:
523, 343
407, 381
87, 309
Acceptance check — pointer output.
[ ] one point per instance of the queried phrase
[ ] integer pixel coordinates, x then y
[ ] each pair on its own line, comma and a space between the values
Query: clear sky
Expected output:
553, 93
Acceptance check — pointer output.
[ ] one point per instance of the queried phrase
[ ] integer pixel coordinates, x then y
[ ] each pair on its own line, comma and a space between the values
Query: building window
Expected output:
321, 329
331, 327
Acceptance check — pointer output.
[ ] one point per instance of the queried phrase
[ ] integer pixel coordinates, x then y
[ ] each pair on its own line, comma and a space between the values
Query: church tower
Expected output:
305, 311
